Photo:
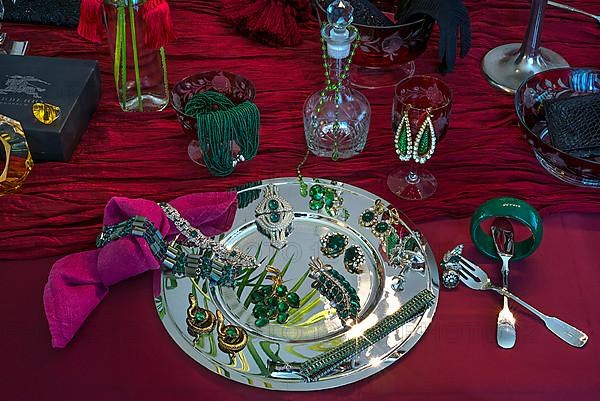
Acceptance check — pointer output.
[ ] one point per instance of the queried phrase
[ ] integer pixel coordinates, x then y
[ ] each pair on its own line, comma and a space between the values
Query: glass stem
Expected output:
413, 176
531, 43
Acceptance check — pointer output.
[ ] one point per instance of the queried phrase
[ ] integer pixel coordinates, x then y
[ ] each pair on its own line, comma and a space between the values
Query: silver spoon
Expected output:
503, 234
575, 10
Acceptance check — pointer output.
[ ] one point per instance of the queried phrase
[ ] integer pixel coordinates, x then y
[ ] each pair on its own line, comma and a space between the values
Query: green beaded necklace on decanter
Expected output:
336, 118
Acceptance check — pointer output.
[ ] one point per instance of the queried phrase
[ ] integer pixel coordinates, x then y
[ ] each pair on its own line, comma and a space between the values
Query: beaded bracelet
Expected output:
175, 258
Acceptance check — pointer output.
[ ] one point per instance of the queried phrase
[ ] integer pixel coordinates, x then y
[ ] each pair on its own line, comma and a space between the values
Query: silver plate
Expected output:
313, 331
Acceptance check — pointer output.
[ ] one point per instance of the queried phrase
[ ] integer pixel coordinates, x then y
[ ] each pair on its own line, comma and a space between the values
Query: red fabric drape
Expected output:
484, 155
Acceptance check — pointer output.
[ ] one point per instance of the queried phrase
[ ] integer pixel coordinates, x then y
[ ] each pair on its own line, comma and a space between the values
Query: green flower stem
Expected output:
163, 60
117, 63
266, 347
122, 23
300, 282
257, 359
136, 66
260, 280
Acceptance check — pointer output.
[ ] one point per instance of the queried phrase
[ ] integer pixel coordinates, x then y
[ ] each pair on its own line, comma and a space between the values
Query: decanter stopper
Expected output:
336, 33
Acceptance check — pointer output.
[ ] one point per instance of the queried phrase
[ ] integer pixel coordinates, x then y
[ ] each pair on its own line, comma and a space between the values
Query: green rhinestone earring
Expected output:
199, 320
231, 339
273, 302
333, 244
354, 258
322, 197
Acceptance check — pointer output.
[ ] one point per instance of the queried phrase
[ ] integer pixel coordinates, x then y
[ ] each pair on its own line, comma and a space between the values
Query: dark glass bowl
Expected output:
385, 49
235, 87
382, 46
529, 97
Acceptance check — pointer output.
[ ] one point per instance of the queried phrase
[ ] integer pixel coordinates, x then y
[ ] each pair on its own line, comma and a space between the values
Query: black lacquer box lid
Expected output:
71, 84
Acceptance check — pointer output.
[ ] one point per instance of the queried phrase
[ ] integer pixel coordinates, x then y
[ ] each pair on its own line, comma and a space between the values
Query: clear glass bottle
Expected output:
336, 119
140, 71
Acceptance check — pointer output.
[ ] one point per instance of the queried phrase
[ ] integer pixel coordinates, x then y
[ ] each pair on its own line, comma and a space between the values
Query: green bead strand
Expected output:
220, 121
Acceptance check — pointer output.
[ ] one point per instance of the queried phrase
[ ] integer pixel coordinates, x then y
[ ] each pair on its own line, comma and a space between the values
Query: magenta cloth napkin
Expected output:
77, 283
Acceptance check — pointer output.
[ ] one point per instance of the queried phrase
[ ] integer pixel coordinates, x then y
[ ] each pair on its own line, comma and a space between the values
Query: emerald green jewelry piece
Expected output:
323, 364
274, 216
231, 339
199, 320
380, 219
367, 218
323, 197
333, 244
403, 138
425, 141
354, 258
338, 291
273, 302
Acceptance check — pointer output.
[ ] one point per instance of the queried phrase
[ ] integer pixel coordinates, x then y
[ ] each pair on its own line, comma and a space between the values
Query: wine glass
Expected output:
507, 66
420, 116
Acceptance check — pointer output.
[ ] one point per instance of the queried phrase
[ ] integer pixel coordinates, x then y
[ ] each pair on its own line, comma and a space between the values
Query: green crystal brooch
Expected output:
336, 289
273, 302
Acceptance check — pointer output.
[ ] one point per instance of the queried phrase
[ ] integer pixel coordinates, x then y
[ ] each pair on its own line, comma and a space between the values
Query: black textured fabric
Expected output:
574, 124
46, 12
453, 18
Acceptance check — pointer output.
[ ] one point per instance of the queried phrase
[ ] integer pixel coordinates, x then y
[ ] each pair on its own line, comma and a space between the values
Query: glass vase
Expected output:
140, 71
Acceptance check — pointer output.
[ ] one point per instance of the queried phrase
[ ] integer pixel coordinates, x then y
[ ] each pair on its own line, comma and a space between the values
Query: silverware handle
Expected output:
569, 8
564, 331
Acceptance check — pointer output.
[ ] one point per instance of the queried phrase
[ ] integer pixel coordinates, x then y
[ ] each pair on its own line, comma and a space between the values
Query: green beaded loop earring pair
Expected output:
273, 302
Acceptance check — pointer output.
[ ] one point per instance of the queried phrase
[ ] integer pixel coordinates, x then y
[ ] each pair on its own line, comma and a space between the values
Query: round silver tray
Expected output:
314, 327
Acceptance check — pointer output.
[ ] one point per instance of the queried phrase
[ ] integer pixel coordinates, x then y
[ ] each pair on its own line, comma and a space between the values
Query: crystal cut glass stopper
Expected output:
339, 14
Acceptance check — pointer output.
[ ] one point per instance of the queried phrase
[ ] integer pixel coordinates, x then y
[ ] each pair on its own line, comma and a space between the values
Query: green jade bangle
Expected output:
511, 208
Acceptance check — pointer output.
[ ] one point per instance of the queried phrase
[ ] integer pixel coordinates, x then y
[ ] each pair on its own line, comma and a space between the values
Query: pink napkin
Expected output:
77, 283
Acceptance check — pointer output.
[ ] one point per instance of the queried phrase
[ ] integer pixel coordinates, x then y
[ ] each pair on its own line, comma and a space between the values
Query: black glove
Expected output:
451, 15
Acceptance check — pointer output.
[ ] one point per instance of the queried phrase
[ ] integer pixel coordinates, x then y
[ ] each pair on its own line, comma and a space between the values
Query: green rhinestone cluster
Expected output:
340, 293
333, 244
273, 302
322, 197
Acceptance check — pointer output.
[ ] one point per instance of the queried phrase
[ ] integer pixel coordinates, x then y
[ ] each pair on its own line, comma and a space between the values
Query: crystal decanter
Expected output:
336, 119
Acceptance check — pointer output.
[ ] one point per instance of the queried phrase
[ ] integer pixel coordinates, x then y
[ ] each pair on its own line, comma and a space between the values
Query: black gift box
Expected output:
73, 85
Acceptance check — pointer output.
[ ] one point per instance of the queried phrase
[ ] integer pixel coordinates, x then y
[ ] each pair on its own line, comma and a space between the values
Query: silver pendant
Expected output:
274, 217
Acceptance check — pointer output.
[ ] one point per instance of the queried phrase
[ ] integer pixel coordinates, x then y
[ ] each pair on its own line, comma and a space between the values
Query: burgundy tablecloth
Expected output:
140, 154
122, 352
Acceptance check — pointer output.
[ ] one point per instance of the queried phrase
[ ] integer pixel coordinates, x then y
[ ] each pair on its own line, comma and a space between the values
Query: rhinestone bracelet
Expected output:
322, 364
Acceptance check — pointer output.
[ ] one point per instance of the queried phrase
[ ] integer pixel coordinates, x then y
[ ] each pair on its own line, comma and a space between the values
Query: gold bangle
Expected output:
18, 161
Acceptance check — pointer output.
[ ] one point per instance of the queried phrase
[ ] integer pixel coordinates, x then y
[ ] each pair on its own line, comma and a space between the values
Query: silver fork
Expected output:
474, 277
575, 10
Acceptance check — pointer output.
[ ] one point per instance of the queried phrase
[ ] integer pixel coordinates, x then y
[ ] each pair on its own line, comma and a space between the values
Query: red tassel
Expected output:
90, 20
159, 27
273, 22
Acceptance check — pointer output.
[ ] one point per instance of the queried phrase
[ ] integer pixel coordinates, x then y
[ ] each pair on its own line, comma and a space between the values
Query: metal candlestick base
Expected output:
505, 68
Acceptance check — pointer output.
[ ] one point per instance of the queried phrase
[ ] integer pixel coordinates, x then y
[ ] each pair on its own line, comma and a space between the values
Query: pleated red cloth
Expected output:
77, 283
144, 155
